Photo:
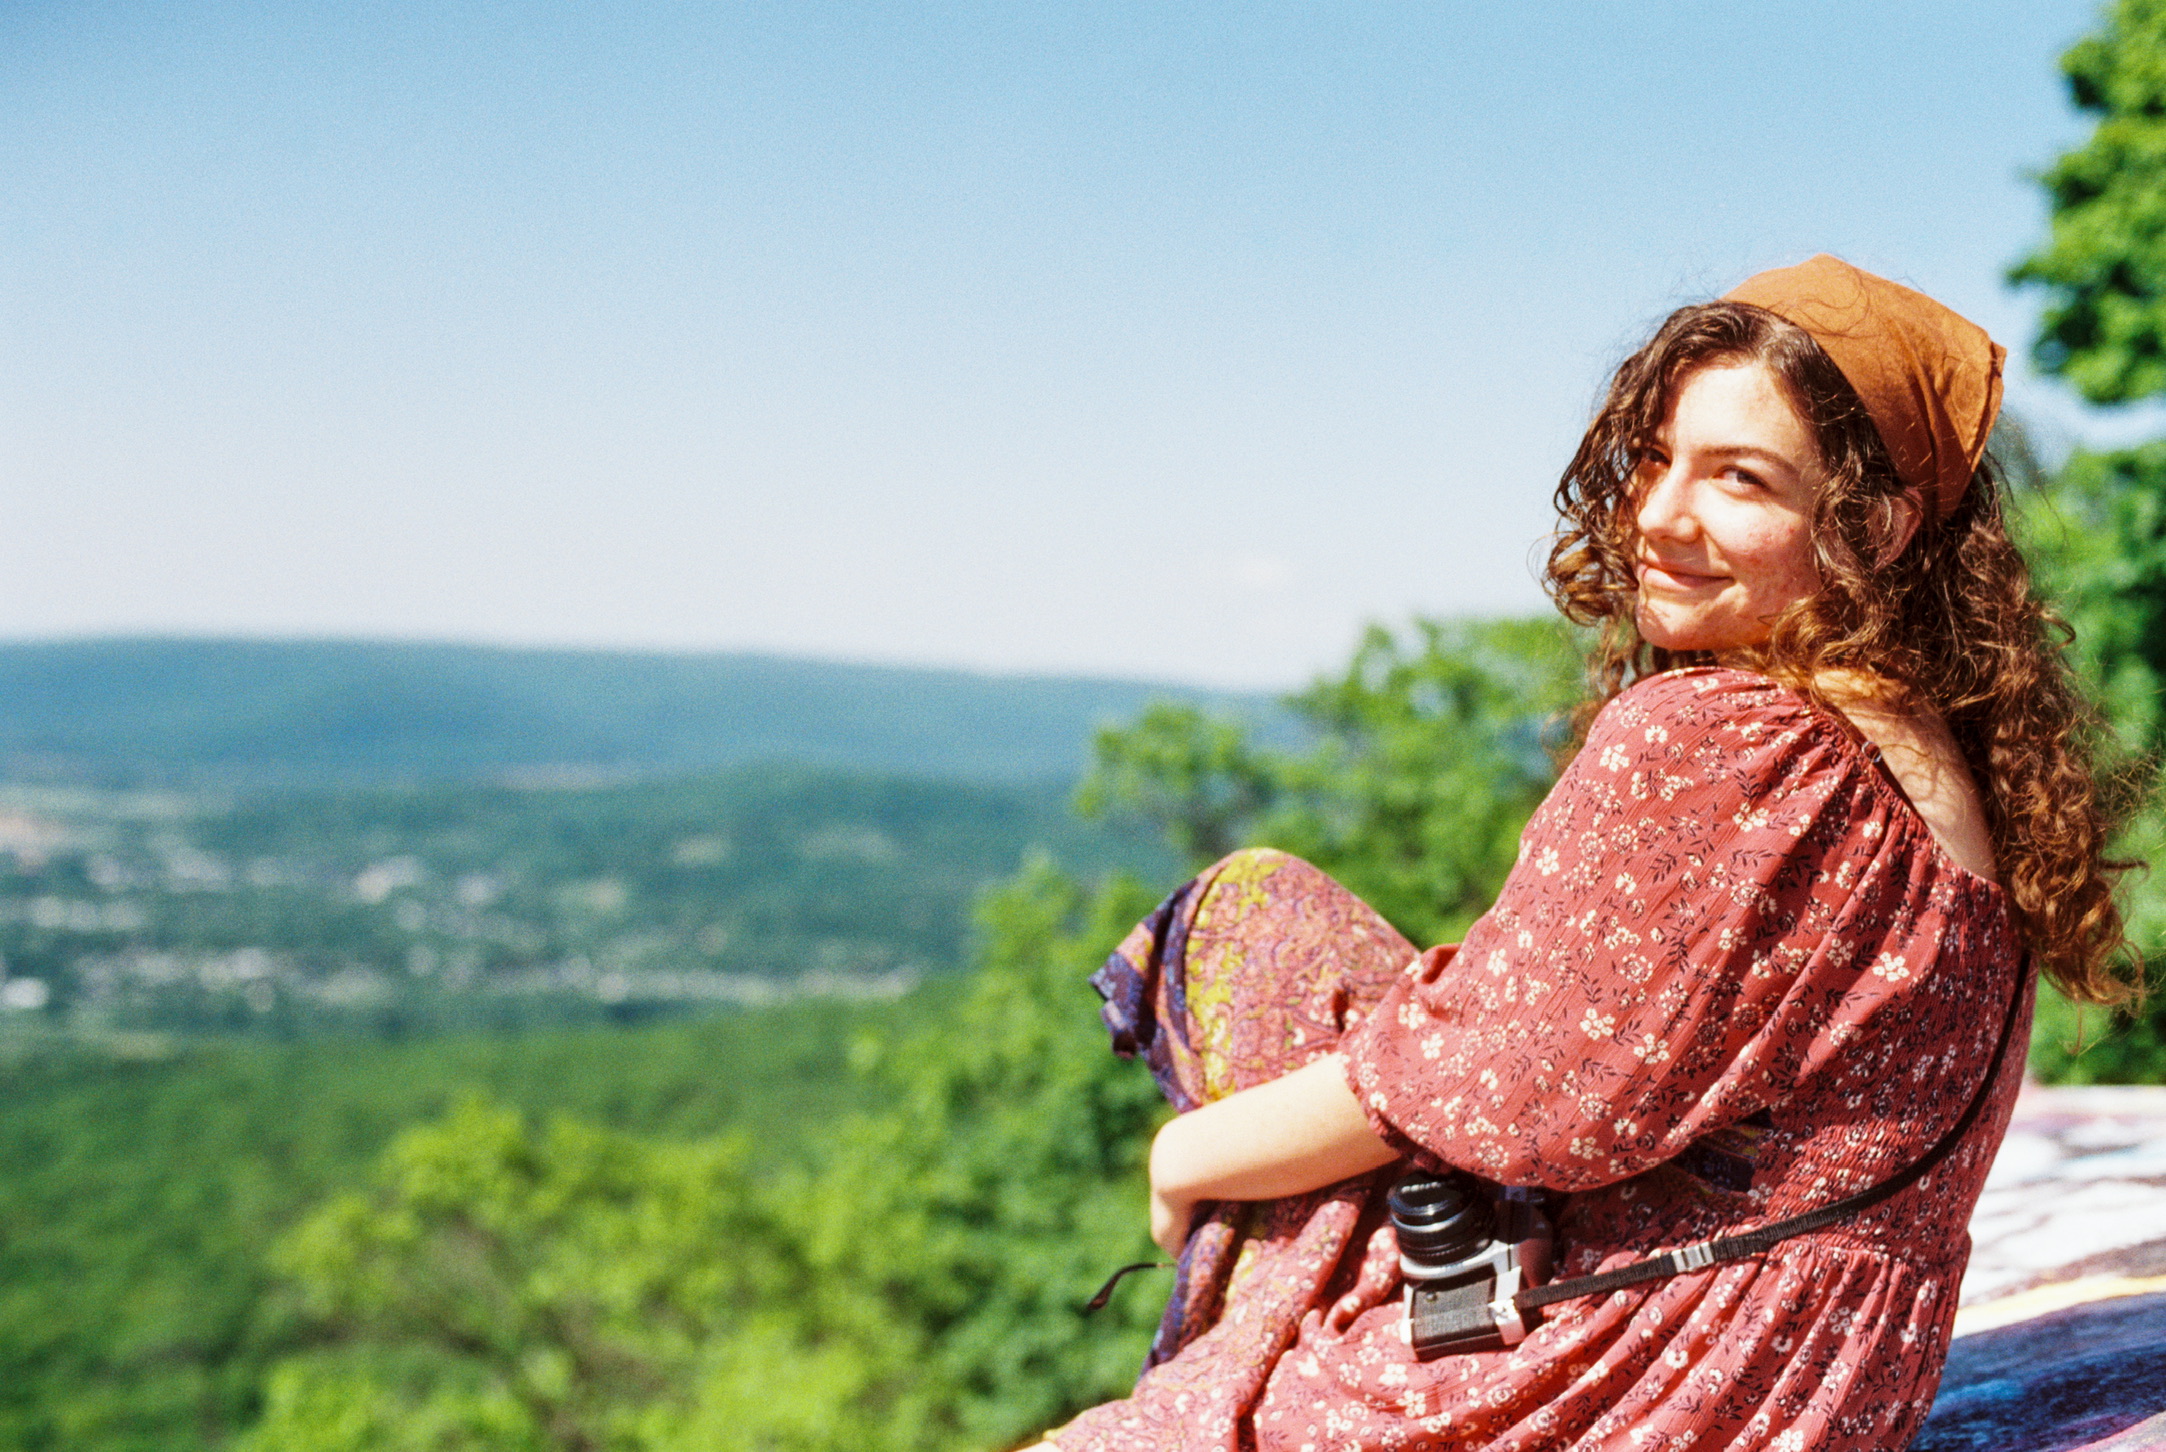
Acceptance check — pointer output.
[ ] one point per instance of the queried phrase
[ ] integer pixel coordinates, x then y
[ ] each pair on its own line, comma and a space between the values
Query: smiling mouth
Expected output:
1675, 576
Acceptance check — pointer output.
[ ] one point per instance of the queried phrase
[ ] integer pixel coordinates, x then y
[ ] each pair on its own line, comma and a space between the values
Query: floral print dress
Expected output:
1732, 978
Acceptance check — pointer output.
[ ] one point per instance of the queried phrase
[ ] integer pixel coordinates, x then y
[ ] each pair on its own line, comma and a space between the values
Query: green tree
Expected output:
2097, 540
2098, 535
950, 1241
503, 1286
911, 1283
1430, 750
1196, 779
508, 1288
2104, 269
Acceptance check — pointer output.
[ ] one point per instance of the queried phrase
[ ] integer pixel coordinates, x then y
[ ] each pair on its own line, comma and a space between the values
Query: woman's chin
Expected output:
1664, 631
1659, 630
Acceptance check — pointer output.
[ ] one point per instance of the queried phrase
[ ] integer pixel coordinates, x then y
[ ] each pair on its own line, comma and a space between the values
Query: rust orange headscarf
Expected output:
1930, 378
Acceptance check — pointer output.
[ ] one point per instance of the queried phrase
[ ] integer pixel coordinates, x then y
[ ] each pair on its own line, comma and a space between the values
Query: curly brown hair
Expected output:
1948, 624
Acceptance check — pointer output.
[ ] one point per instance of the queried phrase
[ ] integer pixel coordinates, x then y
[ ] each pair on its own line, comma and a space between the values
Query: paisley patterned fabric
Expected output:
1248, 972
1731, 978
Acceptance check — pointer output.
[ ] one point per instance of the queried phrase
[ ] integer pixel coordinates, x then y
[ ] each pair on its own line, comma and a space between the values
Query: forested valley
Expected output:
649, 1113
393, 910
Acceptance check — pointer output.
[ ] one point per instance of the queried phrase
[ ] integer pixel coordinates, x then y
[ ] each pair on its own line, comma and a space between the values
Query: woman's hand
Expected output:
1170, 1219
1296, 1133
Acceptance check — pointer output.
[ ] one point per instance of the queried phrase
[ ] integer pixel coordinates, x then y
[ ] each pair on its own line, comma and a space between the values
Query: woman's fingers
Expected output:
1169, 1222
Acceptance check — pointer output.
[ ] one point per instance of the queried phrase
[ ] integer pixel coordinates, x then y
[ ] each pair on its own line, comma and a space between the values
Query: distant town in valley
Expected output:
249, 837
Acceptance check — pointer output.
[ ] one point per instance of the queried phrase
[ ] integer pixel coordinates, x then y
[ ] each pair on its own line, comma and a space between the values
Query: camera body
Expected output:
1466, 1247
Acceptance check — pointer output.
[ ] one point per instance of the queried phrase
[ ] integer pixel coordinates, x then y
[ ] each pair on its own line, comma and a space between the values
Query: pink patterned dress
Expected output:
1731, 978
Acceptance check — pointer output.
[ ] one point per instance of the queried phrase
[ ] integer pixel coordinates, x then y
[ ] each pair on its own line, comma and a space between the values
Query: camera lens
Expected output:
1439, 1219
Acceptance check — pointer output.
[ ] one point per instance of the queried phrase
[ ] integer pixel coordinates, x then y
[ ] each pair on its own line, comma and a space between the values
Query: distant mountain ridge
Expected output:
199, 712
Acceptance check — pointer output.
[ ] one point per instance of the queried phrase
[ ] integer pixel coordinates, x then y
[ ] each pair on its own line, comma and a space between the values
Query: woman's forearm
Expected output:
1296, 1133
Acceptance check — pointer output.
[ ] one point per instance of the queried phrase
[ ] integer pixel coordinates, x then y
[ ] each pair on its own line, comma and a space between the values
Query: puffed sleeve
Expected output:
1692, 909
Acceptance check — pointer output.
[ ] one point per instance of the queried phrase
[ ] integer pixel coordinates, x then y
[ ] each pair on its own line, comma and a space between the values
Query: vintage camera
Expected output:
1466, 1247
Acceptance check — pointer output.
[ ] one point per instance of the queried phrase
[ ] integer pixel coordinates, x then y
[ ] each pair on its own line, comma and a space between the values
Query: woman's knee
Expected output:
1248, 862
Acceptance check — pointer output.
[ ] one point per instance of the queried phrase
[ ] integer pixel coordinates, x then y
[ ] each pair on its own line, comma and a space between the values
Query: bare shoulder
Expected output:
1921, 754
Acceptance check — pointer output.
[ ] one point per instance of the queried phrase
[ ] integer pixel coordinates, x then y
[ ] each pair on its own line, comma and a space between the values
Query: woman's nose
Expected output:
1665, 507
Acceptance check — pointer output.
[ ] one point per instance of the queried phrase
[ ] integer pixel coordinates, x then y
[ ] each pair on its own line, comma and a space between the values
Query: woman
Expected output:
1764, 945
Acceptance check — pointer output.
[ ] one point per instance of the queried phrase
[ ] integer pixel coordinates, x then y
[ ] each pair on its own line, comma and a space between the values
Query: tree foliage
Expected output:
504, 1286
956, 1236
2097, 535
141, 1185
913, 1283
507, 1286
2104, 268
1429, 751
2096, 538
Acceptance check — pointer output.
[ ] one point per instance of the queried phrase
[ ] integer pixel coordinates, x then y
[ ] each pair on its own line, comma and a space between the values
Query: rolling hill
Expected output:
243, 714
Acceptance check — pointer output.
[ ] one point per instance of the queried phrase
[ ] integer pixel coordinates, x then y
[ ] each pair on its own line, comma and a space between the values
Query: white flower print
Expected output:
1891, 967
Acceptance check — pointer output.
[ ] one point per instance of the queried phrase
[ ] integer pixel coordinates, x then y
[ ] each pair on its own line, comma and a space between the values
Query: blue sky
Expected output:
1173, 341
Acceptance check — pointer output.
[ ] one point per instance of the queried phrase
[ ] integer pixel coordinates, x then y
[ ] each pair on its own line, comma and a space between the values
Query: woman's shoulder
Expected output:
1710, 749
1722, 712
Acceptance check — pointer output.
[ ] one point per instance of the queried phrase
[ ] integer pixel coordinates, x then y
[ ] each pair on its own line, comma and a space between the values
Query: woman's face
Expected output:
1723, 508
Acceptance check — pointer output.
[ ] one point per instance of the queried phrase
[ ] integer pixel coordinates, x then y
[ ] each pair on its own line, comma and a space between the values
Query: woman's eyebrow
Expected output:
1748, 451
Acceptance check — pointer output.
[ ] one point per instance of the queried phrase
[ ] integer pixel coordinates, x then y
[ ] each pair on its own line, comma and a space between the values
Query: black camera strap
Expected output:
1529, 1302
1754, 1242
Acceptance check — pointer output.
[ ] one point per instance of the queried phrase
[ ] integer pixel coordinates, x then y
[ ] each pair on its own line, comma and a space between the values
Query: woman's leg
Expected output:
1249, 971
1252, 970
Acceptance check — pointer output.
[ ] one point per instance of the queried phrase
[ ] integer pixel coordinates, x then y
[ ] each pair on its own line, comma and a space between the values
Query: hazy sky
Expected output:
1168, 340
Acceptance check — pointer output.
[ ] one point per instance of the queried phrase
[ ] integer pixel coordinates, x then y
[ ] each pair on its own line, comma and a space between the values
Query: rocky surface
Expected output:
2079, 1190
2061, 1342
